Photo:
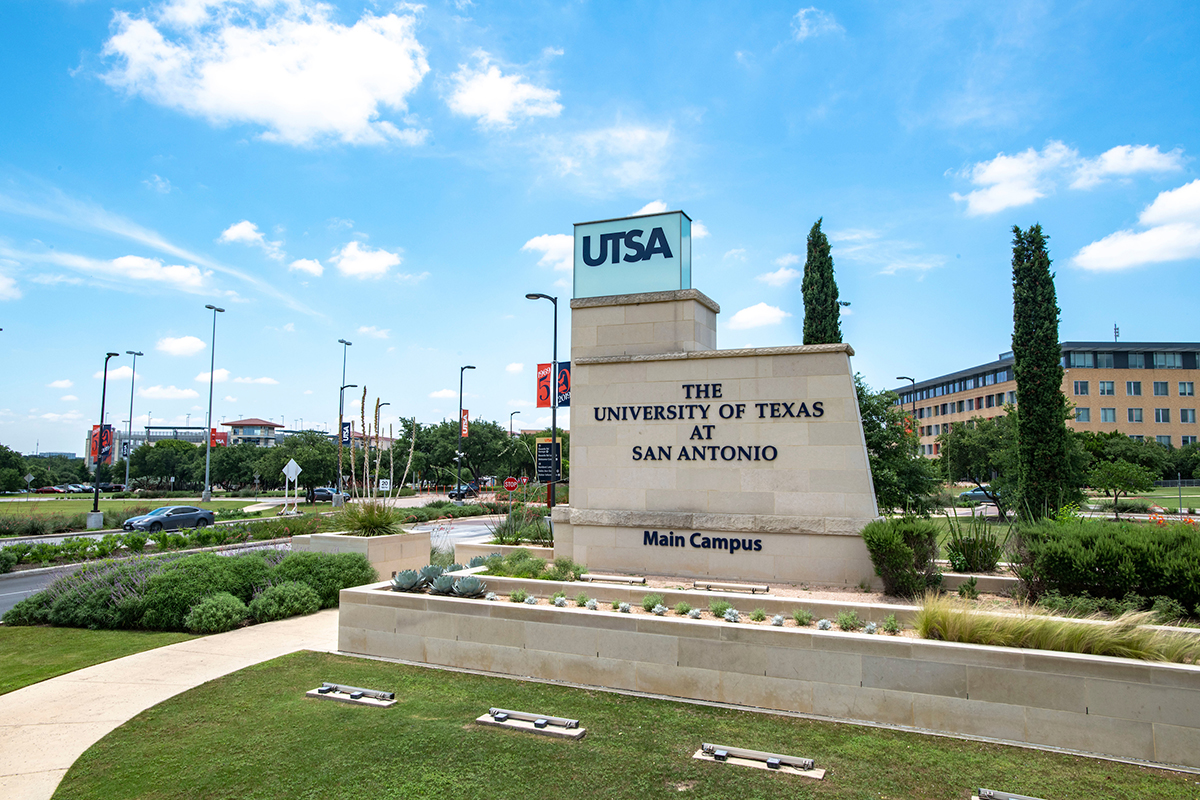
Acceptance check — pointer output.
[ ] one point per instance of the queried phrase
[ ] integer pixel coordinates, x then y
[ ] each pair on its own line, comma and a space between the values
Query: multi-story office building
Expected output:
1146, 390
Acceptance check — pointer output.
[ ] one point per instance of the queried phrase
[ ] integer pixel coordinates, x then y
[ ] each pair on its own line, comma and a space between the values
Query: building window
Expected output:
943, 409
1133, 388
1187, 388
1162, 415
1163, 440
1000, 399
1012, 397
1184, 441
1160, 389
991, 401
1081, 361
1135, 415
1168, 360
1081, 388
971, 405
1104, 360
1137, 360
1187, 415
960, 406
1083, 415
937, 429
1108, 415
1002, 376
1107, 389
1137, 437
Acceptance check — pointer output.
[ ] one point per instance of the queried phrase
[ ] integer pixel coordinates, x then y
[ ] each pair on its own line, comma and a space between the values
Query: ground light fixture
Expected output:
759, 759
554, 462
206, 496
354, 695
100, 435
129, 430
996, 794
542, 724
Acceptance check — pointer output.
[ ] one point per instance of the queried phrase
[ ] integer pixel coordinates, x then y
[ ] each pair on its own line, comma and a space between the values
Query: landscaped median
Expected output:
1119, 707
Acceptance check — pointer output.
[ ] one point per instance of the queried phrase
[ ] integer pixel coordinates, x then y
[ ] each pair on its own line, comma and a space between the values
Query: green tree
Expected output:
1043, 467
233, 466
316, 455
822, 314
983, 452
1147, 454
903, 478
1120, 478
166, 459
12, 470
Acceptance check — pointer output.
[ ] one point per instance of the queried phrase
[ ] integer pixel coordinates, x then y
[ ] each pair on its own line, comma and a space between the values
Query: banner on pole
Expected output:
346, 434
545, 385
465, 415
102, 444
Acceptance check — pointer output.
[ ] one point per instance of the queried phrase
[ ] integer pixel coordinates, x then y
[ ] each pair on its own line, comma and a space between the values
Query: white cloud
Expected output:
70, 416
218, 376
54, 280
738, 253
283, 65
180, 346
265, 381
360, 261
787, 259
850, 235
310, 265
120, 373
780, 277
1017, 180
158, 184
520, 403
442, 394
810, 22
515, 367
557, 249
374, 332
653, 207
247, 233
621, 157
64, 383
151, 269
69, 398
289, 328
166, 393
1125, 160
699, 230
308, 391
757, 316
230, 398
1173, 234
498, 100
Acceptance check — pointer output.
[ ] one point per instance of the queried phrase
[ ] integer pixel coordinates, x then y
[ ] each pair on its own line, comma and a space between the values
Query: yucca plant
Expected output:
442, 584
407, 581
469, 586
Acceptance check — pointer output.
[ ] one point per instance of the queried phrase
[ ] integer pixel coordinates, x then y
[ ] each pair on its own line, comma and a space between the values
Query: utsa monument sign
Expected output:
697, 462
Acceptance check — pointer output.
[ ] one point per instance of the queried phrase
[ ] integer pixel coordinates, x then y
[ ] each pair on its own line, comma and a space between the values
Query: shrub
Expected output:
974, 546
518, 595
803, 617
903, 551
371, 518
326, 573
216, 614
8, 560
20, 551
581, 599
718, 607
134, 542
172, 592
616, 604
651, 600
1110, 560
1167, 610
848, 620
563, 569
758, 614
283, 600
969, 588
890, 625
682, 608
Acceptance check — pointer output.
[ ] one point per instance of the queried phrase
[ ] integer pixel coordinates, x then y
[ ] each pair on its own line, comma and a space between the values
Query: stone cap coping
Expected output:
794, 349
732, 523
647, 297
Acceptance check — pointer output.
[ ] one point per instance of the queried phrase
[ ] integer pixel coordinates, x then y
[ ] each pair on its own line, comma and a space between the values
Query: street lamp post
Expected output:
459, 455
206, 495
553, 400
337, 498
510, 416
129, 429
914, 394
96, 519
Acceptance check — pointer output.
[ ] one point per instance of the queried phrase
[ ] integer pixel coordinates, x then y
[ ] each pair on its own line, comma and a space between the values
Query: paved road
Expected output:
16, 586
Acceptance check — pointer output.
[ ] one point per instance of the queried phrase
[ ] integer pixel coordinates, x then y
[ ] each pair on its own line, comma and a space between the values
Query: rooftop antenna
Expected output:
1116, 332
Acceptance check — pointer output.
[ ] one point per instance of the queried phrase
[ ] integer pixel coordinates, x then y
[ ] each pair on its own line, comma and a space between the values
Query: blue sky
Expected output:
400, 176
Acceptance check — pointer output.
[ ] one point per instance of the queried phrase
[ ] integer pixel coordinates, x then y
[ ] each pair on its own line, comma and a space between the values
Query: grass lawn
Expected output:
82, 505
30, 655
254, 734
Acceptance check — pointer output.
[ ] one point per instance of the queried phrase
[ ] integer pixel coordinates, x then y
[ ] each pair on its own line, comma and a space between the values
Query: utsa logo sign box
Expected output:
631, 255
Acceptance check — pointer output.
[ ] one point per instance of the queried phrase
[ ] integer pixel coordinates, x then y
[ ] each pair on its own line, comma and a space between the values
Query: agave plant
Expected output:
442, 584
455, 568
469, 586
407, 581
430, 572
477, 561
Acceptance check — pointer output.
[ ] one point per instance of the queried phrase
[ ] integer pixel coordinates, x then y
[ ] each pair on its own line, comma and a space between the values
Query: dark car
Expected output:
463, 491
325, 494
170, 518
112, 487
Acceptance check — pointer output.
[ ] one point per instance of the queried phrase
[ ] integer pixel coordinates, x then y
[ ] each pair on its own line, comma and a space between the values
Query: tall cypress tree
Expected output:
822, 323
1043, 468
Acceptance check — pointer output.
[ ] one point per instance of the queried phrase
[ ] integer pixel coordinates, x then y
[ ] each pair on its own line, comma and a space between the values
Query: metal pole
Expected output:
510, 416
100, 434
554, 460
459, 454
206, 495
341, 411
129, 429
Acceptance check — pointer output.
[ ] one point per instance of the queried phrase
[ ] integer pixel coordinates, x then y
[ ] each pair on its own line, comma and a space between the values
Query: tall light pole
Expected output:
553, 400
914, 394
99, 522
129, 430
459, 455
206, 495
337, 498
510, 416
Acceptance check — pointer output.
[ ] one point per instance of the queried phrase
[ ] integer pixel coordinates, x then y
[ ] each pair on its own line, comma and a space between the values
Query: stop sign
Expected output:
510, 484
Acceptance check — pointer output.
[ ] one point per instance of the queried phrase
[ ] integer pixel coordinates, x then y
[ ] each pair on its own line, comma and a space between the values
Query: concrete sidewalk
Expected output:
46, 726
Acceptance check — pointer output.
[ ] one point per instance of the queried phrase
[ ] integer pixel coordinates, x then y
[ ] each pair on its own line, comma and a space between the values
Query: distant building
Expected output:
255, 431
51, 455
1146, 390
